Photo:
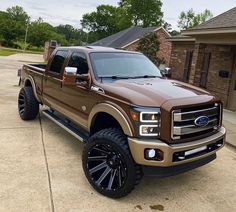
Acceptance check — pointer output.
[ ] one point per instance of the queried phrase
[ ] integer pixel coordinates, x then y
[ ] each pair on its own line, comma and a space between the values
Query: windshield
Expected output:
123, 65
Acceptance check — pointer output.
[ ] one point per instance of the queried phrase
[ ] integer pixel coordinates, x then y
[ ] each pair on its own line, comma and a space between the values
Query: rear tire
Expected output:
28, 106
108, 164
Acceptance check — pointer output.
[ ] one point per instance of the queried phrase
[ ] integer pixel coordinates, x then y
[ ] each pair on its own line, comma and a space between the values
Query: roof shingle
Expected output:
224, 20
124, 37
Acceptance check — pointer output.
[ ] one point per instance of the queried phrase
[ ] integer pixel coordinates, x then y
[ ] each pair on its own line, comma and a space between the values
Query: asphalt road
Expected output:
40, 170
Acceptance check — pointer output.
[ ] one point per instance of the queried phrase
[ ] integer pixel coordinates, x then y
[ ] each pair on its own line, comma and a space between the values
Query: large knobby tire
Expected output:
108, 164
28, 106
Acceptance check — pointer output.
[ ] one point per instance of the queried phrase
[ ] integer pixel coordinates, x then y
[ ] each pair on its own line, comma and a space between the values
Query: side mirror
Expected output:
166, 72
69, 76
70, 71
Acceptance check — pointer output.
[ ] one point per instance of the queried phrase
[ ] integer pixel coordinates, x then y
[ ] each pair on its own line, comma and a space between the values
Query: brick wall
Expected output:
221, 59
178, 56
165, 46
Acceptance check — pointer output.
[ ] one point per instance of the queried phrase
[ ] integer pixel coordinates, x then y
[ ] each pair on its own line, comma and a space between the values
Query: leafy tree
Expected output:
144, 13
72, 35
8, 29
105, 21
17, 13
167, 27
149, 45
174, 33
190, 19
40, 32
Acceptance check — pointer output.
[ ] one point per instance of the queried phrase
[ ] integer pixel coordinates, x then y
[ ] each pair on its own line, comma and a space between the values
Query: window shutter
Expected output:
205, 69
187, 66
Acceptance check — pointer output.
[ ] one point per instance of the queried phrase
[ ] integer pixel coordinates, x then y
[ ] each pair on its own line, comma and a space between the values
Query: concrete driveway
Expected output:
40, 170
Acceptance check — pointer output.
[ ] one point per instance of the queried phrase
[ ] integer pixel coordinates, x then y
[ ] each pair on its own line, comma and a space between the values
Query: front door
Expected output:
232, 92
77, 99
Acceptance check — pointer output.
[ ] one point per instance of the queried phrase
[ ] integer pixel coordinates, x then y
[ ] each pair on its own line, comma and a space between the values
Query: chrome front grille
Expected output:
184, 126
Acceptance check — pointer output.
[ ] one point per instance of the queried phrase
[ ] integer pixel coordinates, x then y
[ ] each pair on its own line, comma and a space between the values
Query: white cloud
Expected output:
71, 11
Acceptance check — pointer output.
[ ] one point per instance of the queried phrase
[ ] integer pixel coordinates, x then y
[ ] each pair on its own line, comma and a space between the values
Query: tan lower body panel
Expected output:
138, 146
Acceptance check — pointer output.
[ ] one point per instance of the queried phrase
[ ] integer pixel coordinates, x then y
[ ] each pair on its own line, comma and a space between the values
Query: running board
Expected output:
67, 125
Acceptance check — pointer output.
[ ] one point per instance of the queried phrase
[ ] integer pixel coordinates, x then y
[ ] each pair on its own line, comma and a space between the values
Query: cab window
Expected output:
58, 61
79, 61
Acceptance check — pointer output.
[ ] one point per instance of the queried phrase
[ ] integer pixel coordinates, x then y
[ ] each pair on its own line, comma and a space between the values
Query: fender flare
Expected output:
116, 113
33, 86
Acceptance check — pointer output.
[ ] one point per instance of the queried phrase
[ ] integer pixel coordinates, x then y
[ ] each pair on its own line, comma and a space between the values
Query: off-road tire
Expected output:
115, 146
28, 106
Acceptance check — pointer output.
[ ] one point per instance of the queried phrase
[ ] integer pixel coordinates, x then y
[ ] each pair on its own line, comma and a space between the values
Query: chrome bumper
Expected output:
138, 146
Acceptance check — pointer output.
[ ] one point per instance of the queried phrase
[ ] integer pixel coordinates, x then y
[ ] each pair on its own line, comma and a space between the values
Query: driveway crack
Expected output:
47, 166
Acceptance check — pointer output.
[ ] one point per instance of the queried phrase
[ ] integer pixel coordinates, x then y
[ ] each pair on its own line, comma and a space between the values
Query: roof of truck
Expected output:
89, 49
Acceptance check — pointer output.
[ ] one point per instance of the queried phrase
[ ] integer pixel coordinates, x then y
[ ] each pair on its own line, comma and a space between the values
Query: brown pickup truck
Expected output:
133, 120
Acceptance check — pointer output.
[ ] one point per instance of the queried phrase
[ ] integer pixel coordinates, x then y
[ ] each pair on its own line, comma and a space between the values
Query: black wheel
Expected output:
28, 106
108, 164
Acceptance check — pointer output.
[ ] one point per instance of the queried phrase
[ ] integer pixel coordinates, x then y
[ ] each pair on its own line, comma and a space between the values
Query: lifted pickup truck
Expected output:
132, 119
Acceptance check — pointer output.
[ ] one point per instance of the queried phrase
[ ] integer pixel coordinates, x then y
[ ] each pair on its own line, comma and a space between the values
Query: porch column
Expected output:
197, 61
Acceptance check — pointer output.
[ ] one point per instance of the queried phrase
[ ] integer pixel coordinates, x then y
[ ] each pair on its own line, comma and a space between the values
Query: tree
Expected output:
8, 29
144, 13
190, 19
105, 21
13, 24
17, 13
40, 32
149, 45
72, 35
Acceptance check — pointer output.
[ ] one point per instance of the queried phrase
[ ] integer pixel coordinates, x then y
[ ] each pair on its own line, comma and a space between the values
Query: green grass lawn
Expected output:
8, 51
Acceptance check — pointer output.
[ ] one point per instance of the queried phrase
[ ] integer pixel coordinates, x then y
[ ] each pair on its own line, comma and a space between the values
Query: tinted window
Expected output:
123, 64
79, 61
58, 61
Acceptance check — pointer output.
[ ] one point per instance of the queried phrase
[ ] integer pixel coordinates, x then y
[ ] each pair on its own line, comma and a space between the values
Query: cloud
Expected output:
71, 11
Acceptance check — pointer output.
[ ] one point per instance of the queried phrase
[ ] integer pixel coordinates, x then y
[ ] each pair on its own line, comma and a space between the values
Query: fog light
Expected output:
151, 153
154, 154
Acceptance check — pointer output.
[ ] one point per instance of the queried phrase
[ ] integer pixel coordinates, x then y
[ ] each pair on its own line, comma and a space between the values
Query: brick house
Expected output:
206, 56
128, 39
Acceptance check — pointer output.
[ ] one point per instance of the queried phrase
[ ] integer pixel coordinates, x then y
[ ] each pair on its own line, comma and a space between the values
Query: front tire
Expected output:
108, 164
28, 106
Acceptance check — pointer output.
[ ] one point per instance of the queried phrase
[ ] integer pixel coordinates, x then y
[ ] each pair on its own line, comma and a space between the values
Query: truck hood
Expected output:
153, 92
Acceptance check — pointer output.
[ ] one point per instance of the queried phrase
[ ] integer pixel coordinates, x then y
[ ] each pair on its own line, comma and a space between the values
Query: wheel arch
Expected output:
111, 110
29, 82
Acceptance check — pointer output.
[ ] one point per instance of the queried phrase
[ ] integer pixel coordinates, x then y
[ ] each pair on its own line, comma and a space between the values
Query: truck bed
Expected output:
36, 67
37, 72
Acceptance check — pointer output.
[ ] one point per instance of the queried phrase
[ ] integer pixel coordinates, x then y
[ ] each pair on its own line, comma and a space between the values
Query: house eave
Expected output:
192, 32
181, 39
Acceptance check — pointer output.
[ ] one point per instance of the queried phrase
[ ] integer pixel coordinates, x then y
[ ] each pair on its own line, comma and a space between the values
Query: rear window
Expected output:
58, 61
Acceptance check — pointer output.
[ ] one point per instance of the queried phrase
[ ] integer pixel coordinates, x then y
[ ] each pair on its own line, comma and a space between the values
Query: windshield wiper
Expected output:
114, 77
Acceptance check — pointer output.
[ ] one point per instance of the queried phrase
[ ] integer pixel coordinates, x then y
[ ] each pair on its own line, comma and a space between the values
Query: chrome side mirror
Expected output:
70, 71
69, 76
166, 72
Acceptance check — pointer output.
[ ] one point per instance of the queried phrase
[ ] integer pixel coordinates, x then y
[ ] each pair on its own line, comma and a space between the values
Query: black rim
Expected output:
106, 167
21, 103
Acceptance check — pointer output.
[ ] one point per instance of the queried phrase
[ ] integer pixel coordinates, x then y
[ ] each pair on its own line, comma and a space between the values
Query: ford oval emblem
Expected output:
201, 121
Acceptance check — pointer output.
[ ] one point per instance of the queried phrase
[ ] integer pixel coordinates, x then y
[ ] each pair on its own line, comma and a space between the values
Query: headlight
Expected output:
149, 130
147, 121
149, 117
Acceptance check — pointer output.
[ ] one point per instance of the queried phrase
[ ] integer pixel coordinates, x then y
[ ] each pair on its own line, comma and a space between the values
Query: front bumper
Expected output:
138, 147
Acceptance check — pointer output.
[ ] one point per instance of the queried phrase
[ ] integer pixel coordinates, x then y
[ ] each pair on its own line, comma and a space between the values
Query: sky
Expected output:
71, 11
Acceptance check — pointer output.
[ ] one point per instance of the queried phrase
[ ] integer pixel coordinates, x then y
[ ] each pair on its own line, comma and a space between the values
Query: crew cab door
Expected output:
77, 98
52, 83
